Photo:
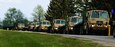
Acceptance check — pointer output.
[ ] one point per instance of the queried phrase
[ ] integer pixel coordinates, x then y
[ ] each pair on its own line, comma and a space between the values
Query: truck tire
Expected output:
113, 36
81, 31
86, 30
113, 32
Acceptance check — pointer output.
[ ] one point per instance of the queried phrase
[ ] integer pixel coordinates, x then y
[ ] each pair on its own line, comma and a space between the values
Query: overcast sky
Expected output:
26, 6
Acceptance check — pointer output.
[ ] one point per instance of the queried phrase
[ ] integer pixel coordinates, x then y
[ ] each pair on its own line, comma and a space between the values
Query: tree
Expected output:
9, 19
13, 17
60, 9
38, 14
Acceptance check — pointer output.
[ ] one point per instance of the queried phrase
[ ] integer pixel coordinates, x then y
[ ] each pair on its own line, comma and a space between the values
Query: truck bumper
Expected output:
114, 34
99, 27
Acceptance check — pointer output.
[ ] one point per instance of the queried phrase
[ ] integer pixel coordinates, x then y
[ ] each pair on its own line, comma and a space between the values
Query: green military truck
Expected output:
97, 20
44, 25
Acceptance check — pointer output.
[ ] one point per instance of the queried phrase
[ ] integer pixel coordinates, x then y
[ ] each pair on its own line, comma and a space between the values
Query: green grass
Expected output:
19, 39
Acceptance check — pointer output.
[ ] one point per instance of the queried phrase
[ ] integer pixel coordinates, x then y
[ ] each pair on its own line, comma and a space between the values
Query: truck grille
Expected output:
99, 22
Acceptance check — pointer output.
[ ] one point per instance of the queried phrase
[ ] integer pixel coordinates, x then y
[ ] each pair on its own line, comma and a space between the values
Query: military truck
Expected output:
44, 25
20, 26
75, 25
31, 26
36, 26
58, 23
97, 20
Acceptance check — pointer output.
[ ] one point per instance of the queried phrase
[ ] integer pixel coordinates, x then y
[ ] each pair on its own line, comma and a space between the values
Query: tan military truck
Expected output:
36, 26
57, 24
75, 24
97, 20
31, 26
20, 26
44, 25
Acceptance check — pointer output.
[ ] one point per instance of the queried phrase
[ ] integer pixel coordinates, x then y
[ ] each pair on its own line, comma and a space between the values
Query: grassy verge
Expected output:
20, 39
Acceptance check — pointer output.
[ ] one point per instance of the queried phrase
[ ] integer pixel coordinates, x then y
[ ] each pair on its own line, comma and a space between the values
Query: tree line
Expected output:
14, 16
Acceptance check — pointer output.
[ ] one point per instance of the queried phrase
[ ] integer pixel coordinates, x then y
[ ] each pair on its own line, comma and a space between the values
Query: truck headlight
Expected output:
106, 26
92, 25
42, 28
56, 28
71, 28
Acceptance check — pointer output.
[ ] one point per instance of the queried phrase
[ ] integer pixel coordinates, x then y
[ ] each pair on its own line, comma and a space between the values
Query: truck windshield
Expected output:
74, 20
80, 20
95, 14
44, 23
20, 24
104, 15
48, 23
60, 22
100, 14
57, 22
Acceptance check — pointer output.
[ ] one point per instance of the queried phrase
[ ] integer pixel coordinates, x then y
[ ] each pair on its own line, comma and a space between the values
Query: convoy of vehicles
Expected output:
94, 20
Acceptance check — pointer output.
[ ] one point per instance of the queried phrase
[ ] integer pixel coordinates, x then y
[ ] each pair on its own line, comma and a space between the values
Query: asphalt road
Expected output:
104, 40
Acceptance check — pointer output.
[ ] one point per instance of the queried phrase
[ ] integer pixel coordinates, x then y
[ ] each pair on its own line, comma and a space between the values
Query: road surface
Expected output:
104, 40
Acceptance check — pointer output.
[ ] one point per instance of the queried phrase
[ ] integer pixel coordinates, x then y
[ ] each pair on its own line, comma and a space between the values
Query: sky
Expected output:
26, 6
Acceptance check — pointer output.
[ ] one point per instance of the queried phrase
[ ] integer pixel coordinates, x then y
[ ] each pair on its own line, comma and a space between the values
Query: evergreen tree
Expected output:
60, 9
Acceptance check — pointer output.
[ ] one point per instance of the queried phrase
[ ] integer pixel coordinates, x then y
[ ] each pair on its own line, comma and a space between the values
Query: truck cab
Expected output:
31, 26
44, 25
74, 24
20, 26
98, 20
57, 24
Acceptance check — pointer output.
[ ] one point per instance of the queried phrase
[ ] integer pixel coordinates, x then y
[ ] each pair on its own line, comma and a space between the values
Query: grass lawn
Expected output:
20, 39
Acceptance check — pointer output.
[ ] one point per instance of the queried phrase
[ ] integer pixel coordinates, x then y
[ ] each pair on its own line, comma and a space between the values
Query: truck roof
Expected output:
76, 17
45, 21
58, 19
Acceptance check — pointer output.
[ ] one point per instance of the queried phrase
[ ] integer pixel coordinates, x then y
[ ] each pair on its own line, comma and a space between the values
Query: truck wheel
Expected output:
86, 30
64, 31
81, 30
113, 32
113, 36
